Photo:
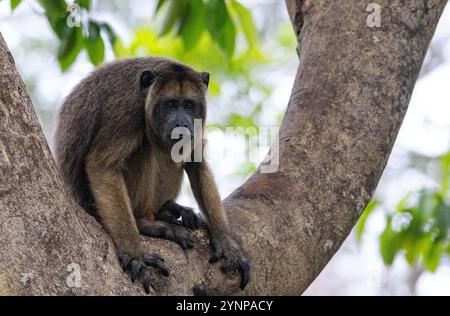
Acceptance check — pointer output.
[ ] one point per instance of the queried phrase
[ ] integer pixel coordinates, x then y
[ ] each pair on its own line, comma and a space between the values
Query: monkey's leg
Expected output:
171, 212
113, 204
160, 229
225, 245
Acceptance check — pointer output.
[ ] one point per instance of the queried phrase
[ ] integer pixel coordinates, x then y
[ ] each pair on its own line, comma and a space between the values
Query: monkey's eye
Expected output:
189, 106
171, 105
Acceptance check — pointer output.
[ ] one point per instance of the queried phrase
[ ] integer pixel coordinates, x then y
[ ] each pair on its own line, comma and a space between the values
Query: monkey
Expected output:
113, 144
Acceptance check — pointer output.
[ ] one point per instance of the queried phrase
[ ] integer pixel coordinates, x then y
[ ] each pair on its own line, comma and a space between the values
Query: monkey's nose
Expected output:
181, 125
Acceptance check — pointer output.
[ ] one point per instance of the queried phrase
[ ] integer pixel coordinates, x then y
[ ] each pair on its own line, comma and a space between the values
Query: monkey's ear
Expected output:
147, 78
205, 78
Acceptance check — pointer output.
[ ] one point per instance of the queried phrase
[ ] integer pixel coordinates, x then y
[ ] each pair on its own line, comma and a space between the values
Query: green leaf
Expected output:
85, 4
94, 44
112, 37
426, 205
413, 246
70, 47
221, 27
445, 167
390, 243
236, 120
56, 12
159, 5
175, 12
227, 38
14, 4
246, 22
53, 7
403, 202
192, 24
432, 255
441, 214
217, 13
59, 26
363, 219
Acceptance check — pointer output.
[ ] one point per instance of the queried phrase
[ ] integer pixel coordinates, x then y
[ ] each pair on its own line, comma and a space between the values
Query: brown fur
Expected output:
114, 163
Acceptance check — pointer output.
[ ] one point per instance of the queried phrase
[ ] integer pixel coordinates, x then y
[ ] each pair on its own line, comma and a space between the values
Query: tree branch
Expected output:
349, 98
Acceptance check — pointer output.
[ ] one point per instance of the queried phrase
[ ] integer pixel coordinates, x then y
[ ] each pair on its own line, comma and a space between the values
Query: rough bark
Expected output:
349, 98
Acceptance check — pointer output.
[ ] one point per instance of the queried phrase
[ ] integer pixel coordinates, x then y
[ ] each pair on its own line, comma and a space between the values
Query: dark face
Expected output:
175, 112
176, 96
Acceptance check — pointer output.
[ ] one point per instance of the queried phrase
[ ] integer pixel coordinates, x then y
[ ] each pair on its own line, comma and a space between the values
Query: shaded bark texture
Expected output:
349, 98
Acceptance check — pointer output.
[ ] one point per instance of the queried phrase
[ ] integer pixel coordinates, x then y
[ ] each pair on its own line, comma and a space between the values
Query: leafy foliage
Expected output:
188, 20
174, 40
205, 55
74, 32
420, 230
219, 18
420, 226
15, 4
364, 216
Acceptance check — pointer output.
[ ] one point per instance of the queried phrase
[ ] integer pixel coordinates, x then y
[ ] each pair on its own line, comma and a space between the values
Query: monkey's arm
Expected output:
114, 207
224, 243
207, 196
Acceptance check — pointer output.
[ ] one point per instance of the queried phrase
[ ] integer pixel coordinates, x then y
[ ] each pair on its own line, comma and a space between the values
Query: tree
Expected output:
351, 92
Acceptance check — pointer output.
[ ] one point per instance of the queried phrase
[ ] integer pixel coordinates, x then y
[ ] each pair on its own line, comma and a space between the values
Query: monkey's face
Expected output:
175, 105
173, 118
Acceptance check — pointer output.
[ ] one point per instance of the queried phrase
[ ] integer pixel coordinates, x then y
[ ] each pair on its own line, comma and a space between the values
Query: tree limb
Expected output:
349, 98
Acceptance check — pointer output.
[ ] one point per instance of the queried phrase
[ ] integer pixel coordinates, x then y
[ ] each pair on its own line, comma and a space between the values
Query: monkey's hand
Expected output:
139, 267
177, 214
235, 258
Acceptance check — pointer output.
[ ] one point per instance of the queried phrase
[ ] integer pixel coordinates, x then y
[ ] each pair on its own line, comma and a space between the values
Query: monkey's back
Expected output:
105, 105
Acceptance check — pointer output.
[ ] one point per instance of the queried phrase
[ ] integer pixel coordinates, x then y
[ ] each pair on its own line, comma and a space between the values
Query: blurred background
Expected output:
400, 246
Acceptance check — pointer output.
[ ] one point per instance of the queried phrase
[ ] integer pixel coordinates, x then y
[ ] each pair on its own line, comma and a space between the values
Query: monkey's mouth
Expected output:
175, 138
181, 139
180, 147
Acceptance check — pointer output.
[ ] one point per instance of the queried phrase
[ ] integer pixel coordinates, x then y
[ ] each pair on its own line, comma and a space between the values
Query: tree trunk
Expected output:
349, 98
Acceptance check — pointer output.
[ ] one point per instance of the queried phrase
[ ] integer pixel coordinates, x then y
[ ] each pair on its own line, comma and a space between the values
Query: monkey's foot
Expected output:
235, 258
138, 268
171, 213
159, 229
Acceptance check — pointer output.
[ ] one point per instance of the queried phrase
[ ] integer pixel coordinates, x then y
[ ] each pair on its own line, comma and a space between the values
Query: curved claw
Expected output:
155, 261
216, 257
239, 265
184, 245
146, 282
182, 237
139, 268
235, 258
125, 261
135, 268
244, 270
